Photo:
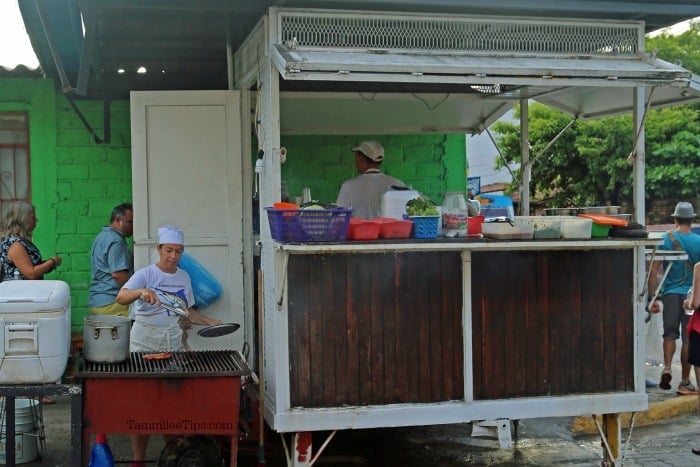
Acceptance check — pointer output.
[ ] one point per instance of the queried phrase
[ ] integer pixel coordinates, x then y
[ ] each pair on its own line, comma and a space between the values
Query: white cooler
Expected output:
35, 325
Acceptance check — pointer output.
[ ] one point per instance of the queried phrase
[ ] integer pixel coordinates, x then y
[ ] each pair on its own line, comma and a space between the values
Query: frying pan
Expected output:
218, 330
208, 331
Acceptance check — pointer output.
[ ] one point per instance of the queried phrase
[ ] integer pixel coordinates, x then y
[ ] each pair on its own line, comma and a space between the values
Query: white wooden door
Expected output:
186, 171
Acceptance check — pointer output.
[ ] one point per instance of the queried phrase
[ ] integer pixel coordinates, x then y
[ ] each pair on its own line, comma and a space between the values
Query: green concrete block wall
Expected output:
93, 178
324, 162
75, 182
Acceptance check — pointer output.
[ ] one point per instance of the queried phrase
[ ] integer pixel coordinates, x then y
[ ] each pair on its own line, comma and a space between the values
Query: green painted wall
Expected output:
76, 182
430, 164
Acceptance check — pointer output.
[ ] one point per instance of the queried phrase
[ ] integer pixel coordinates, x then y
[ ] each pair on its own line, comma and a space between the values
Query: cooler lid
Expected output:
31, 291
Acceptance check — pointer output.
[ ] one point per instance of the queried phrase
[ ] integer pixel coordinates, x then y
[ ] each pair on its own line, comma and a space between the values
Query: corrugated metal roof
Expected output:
20, 71
183, 42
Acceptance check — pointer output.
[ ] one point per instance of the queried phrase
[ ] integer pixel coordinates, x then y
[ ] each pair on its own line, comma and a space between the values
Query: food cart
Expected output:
368, 335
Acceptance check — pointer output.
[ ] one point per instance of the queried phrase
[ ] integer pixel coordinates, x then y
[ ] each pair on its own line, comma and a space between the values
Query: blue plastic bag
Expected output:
205, 287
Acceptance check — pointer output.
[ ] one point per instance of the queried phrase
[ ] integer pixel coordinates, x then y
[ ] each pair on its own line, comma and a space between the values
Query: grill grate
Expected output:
180, 364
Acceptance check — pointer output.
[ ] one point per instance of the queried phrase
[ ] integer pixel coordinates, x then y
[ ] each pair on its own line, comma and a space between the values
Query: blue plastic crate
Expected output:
309, 225
425, 226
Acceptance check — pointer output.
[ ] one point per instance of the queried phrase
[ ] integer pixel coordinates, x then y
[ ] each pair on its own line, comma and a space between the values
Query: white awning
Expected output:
586, 87
431, 68
587, 103
353, 113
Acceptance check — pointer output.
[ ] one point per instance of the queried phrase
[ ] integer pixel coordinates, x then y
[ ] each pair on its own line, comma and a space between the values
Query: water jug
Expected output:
454, 214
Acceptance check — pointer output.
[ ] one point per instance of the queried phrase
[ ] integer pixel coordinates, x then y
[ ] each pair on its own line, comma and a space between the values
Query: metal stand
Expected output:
10, 393
499, 428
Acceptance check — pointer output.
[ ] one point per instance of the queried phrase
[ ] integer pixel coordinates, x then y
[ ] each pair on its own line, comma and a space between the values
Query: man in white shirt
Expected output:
364, 193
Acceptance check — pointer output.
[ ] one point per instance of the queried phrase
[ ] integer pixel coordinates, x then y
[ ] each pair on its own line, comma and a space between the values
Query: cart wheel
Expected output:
191, 451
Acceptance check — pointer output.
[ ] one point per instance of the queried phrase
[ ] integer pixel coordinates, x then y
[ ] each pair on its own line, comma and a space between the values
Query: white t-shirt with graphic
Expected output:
163, 284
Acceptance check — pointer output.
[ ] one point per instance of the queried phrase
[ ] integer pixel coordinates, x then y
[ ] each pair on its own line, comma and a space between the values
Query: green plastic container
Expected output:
599, 230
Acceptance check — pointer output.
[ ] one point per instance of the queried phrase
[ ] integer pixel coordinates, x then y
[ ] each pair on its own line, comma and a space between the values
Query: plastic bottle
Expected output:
101, 454
284, 192
454, 215
689, 298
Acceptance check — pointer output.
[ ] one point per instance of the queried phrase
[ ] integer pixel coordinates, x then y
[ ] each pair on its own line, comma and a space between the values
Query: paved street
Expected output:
538, 442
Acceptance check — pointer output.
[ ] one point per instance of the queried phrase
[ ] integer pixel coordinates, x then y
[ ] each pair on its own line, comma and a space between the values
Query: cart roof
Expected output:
83, 43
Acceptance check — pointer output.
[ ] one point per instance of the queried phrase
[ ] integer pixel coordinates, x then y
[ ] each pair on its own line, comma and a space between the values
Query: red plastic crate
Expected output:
360, 229
394, 228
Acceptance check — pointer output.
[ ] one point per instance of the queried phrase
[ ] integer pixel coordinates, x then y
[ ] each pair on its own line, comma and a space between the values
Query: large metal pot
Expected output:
601, 210
106, 338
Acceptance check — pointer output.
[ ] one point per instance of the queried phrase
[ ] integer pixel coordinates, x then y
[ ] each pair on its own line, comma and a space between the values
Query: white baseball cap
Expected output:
371, 149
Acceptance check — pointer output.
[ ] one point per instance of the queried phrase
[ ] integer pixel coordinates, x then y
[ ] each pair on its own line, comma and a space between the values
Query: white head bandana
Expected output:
170, 234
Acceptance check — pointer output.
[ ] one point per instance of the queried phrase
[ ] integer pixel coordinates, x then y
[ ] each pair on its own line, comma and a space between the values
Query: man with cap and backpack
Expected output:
364, 193
674, 291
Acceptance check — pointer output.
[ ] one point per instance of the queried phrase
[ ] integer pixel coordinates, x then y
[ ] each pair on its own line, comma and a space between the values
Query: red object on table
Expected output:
605, 220
171, 396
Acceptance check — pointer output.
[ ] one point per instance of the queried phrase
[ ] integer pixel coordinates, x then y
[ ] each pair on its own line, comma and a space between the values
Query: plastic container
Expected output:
360, 229
599, 230
505, 231
574, 227
394, 228
101, 454
309, 225
35, 322
454, 215
474, 224
425, 226
545, 227
393, 203
26, 431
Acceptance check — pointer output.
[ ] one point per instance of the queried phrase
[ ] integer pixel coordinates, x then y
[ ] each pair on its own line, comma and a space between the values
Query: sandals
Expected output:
665, 382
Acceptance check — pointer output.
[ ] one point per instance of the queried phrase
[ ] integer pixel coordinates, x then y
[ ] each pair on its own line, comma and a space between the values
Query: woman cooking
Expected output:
157, 328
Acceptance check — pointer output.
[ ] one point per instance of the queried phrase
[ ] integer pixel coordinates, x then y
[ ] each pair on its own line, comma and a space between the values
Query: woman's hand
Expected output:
213, 322
148, 296
198, 318
185, 323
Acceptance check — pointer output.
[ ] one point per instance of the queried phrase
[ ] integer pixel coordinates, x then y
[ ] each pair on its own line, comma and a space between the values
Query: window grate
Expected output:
14, 157
458, 34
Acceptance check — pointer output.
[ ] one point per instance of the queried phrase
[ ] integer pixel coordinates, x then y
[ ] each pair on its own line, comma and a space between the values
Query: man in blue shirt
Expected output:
112, 263
674, 291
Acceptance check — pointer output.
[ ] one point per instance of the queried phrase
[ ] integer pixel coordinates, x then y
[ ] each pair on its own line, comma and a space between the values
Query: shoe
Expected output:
696, 451
687, 389
665, 382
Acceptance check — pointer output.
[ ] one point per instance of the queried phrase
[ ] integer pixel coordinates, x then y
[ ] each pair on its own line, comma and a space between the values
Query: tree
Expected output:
588, 163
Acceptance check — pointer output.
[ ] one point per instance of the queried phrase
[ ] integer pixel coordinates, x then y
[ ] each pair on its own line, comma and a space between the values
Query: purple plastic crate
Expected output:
309, 225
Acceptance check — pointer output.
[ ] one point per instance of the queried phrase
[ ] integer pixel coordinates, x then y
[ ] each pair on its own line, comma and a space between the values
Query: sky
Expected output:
16, 49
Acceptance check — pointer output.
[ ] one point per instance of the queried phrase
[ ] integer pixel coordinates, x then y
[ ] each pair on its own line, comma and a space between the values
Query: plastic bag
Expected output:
205, 287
